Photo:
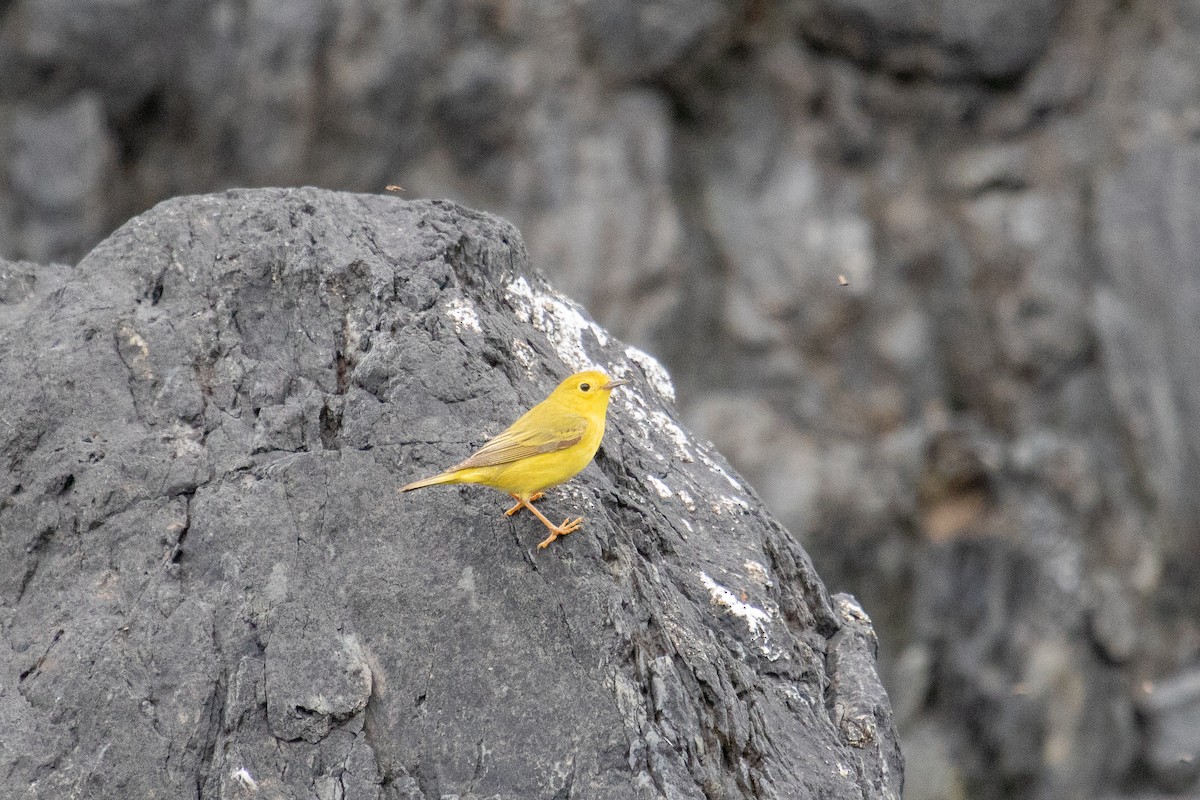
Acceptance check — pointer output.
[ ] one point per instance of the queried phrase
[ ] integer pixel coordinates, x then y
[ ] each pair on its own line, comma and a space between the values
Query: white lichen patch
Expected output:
717, 468
656, 374
849, 610
243, 777
185, 440
462, 313
137, 341
733, 505
524, 354
757, 621
353, 331
791, 693
755, 618
560, 319
688, 501
665, 424
757, 573
140, 361
663, 490
635, 407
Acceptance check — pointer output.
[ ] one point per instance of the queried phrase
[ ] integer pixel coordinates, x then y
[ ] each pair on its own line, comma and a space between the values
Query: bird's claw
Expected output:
568, 526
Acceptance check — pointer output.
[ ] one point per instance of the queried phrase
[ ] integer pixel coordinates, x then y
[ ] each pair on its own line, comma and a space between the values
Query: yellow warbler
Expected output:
551, 443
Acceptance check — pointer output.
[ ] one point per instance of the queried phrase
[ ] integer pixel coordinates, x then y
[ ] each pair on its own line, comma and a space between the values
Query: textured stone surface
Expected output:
989, 436
211, 587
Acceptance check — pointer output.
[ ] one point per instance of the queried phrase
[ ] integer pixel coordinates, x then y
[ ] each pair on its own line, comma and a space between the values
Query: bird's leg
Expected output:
569, 525
520, 503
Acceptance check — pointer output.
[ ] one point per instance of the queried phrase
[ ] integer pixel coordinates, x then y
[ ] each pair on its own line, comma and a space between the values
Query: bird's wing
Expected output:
520, 441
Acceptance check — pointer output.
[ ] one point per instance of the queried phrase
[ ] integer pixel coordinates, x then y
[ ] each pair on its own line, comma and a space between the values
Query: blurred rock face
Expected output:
946, 39
989, 434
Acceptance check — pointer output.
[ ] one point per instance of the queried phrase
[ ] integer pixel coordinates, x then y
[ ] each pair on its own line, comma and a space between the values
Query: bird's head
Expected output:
586, 390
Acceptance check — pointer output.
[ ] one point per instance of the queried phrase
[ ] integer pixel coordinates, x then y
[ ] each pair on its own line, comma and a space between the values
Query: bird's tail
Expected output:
444, 477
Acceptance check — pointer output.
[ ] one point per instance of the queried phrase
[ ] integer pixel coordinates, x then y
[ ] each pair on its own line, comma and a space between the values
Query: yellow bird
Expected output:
551, 443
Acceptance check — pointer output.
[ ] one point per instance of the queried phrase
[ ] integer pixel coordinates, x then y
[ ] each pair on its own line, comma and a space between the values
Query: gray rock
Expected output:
211, 587
1172, 711
652, 40
60, 168
1114, 620
989, 39
930, 771
1149, 249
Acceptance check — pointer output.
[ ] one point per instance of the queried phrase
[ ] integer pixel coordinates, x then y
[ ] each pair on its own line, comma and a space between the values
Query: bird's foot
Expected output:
569, 526
520, 504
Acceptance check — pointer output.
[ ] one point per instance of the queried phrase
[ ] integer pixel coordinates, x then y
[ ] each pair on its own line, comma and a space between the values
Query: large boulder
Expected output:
211, 587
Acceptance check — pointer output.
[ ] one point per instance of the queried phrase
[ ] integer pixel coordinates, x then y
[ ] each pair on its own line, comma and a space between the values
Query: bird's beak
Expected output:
608, 387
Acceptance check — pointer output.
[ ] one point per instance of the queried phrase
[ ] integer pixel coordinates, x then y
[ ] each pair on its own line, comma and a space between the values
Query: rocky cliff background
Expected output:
989, 436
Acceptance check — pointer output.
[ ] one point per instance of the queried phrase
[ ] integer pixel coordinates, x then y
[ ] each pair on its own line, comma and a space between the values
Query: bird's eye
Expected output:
585, 387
